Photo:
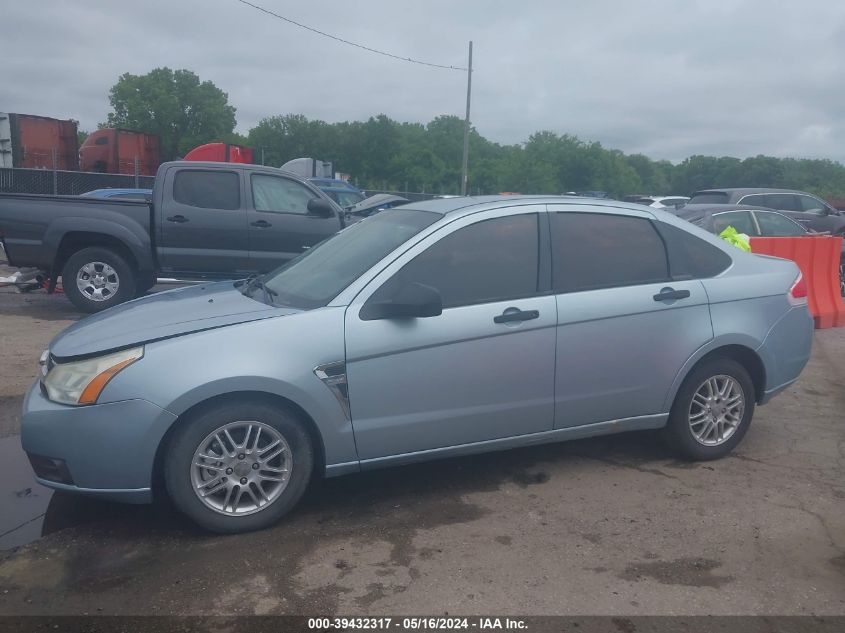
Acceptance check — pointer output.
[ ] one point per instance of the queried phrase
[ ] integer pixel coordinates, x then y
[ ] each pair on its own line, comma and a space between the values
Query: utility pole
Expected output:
466, 126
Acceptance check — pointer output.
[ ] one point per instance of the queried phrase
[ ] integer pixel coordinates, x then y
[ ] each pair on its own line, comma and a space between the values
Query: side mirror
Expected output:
321, 208
414, 300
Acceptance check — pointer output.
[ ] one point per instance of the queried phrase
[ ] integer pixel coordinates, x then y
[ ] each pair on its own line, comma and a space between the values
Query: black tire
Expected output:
144, 285
679, 434
123, 273
179, 456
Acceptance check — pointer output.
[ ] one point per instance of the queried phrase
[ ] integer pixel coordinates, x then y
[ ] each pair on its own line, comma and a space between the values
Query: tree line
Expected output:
381, 153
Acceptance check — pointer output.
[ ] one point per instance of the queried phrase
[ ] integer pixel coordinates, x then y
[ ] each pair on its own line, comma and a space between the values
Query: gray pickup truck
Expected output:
205, 221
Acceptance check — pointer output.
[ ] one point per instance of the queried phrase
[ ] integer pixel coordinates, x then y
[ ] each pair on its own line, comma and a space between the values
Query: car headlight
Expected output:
82, 382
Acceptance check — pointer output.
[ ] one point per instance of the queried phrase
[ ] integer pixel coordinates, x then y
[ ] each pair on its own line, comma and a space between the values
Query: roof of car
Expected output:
451, 205
690, 210
746, 190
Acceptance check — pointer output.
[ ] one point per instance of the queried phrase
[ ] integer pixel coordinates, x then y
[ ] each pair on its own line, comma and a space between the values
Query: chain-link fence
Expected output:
72, 183
66, 183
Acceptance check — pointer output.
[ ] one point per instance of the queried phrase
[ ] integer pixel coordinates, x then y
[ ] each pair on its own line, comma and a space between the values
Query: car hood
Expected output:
163, 315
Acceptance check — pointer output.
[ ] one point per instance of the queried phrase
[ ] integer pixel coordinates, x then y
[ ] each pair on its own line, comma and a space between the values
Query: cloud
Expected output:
661, 77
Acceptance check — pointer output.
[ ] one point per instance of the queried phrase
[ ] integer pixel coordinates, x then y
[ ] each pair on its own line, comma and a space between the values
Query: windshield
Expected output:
318, 275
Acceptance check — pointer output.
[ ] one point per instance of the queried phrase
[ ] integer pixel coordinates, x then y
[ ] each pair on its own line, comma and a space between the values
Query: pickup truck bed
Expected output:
34, 227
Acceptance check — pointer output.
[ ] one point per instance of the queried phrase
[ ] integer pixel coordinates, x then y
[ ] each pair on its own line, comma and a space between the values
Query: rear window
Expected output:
709, 197
598, 250
207, 189
691, 257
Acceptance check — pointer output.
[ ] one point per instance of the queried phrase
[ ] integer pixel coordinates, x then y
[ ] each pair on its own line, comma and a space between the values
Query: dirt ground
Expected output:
604, 526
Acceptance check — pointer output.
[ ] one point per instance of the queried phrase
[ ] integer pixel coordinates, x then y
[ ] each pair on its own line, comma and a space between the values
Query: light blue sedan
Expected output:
436, 329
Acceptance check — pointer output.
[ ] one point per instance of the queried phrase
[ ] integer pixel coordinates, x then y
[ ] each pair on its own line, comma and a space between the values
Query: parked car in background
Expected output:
812, 212
753, 221
374, 204
343, 193
662, 202
206, 221
145, 195
437, 329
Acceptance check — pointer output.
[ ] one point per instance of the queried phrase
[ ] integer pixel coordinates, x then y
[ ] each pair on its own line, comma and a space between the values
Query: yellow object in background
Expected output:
740, 240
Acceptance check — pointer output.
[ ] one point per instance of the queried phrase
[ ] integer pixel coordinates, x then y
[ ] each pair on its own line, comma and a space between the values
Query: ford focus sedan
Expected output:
436, 329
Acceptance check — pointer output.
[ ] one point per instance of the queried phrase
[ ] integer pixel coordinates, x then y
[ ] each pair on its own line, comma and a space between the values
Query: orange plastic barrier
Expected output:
818, 258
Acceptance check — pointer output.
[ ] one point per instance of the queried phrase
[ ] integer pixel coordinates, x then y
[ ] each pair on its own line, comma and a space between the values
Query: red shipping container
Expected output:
116, 151
37, 142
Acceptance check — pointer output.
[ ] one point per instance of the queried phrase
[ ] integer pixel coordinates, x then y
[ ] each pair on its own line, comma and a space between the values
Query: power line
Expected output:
340, 39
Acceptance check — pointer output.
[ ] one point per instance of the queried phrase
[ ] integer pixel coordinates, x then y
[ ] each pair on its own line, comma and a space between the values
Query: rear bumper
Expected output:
104, 450
786, 350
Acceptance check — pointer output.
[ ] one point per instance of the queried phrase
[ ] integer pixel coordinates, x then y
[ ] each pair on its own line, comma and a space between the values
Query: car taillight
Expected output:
798, 291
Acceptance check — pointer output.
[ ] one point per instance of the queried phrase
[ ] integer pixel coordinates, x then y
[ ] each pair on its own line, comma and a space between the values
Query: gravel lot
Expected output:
605, 526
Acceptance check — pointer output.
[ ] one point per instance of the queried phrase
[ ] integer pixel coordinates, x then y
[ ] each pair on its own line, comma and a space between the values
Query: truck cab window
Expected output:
207, 189
279, 195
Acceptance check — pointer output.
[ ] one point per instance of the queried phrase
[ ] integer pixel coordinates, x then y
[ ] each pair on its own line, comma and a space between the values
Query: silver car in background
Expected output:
436, 329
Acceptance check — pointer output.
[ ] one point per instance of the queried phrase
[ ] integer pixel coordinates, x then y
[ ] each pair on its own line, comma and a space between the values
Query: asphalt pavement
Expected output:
612, 525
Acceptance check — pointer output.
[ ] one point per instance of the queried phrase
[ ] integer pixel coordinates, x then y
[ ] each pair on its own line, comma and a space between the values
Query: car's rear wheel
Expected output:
238, 467
97, 278
712, 410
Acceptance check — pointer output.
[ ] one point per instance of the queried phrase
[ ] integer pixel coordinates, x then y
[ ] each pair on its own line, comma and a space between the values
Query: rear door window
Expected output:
782, 202
207, 189
739, 220
598, 250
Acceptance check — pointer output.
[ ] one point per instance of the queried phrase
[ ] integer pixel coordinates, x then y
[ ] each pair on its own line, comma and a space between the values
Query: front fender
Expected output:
272, 356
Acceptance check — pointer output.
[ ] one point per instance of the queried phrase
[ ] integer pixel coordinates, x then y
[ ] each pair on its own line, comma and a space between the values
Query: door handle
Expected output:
517, 315
261, 224
179, 219
668, 294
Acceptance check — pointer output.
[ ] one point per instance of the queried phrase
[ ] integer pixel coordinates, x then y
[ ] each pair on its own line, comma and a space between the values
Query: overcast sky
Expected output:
668, 78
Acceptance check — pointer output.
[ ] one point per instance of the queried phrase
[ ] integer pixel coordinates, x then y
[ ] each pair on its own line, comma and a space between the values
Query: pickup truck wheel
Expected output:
238, 467
97, 278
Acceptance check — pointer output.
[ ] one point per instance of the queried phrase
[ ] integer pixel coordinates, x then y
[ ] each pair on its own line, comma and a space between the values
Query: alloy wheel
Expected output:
97, 281
716, 410
241, 468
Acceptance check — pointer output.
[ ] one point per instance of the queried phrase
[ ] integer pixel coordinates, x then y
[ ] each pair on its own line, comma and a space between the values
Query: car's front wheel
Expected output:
712, 410
238, 467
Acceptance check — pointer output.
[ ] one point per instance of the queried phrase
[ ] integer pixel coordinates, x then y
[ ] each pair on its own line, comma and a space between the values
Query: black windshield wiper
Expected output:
255, 280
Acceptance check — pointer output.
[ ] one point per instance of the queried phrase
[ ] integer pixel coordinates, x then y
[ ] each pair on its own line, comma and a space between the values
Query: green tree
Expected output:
381, 152
175, 104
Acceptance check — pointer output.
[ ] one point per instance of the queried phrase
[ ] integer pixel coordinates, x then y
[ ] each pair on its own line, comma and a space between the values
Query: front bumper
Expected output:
108, 450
